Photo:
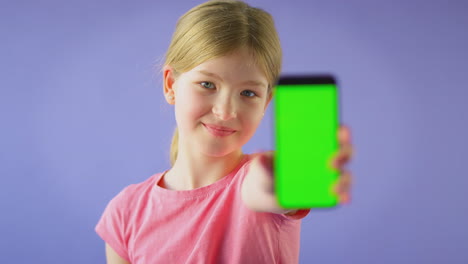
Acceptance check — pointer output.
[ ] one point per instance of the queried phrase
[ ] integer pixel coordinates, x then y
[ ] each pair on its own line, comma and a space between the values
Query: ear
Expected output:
168, 84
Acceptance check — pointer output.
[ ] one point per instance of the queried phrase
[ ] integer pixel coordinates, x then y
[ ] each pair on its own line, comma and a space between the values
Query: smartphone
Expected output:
306, 122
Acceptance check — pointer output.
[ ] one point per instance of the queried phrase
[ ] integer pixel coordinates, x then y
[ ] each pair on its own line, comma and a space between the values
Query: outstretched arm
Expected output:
258, 189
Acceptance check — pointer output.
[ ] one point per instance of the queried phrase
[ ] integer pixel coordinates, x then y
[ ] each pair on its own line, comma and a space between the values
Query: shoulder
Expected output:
132, 195
115, 224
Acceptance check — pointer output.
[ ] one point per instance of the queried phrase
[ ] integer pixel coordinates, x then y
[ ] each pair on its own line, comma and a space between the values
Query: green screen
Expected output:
306, 125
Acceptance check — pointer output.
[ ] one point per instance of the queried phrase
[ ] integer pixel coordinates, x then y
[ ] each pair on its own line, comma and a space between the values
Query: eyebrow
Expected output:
251, 82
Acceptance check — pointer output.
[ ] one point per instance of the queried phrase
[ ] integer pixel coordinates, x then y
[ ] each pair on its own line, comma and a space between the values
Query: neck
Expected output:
193, 170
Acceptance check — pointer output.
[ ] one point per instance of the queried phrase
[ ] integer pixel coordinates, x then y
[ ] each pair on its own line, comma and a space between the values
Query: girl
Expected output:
216, 204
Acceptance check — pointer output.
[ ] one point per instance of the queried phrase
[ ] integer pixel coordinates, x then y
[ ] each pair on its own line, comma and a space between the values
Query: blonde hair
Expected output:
217, 28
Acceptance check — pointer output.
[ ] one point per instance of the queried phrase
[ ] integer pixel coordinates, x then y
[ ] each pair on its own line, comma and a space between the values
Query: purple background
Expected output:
82, 116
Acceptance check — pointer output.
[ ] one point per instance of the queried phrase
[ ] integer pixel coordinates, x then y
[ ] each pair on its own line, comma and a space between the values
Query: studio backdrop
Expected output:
83, 116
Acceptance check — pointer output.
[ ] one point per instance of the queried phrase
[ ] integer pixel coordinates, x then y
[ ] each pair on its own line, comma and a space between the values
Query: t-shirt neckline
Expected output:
199, 192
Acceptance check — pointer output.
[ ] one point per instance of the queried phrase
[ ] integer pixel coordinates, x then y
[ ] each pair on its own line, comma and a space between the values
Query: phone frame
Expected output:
310, 79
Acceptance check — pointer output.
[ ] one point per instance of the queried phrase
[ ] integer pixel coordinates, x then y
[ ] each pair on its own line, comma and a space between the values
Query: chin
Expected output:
217, 151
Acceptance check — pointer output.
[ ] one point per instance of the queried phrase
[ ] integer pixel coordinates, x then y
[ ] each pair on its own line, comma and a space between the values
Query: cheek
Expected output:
188, 108
252, 118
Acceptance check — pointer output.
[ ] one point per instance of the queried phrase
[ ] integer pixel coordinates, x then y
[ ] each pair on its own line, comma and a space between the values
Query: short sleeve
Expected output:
111, 226
298, 215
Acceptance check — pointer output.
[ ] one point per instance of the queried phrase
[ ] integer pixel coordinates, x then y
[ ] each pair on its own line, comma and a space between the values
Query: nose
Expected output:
224, 108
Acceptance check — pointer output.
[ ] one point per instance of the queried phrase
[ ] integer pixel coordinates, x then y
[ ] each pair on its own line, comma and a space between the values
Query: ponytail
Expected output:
174, 146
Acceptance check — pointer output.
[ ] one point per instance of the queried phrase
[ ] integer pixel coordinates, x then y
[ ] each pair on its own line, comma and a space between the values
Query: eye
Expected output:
207, 85
248, 93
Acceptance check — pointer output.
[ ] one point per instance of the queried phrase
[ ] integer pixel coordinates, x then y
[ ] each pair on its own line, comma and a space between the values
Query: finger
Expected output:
344, 135
344, 198
344, 183
344, 156
342, 189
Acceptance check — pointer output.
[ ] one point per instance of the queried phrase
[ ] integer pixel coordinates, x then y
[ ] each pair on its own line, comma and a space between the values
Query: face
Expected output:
218, 104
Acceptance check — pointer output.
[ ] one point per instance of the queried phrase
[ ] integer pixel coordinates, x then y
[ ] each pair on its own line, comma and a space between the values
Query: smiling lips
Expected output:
219, 131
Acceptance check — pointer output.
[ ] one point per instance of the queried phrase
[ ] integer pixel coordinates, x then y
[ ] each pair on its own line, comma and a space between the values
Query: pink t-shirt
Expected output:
147, 224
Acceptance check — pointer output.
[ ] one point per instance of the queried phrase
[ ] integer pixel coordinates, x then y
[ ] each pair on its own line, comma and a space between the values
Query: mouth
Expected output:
219, 131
